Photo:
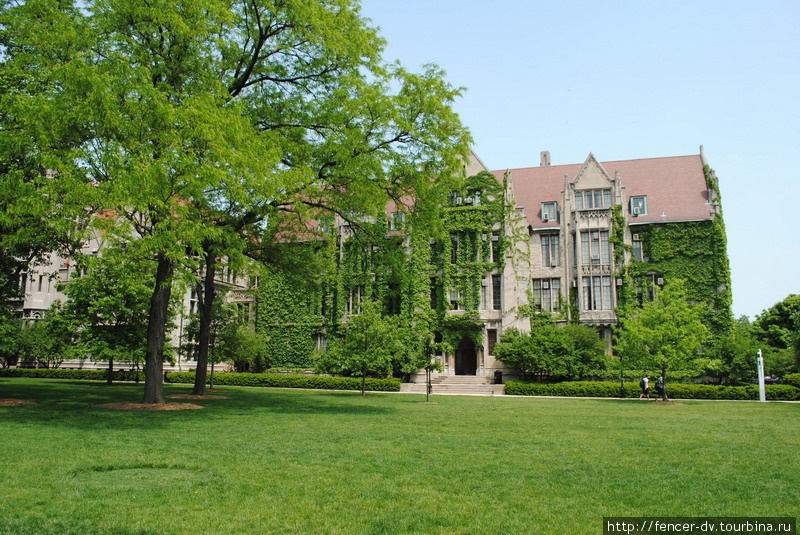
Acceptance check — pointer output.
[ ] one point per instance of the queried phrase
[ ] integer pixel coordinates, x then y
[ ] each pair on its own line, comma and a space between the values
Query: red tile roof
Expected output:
675, 188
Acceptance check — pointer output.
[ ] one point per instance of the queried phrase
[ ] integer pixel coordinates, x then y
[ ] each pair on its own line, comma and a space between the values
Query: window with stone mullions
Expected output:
596, 293
595, 248
549, 250
596, 199
546, 293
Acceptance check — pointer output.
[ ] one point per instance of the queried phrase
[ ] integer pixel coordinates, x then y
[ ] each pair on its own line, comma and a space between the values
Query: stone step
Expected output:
474, 390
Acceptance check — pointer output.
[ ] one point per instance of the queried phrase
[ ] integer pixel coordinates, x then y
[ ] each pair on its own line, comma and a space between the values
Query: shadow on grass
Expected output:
73, 404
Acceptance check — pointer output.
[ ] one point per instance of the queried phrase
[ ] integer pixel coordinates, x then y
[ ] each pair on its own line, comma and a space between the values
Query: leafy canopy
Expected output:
664, 334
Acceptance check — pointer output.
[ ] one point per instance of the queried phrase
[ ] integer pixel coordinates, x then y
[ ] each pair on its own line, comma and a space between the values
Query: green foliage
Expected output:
240, 345
110, 303
78, 375
292, 381
675, 391
456, 327
10, 327
570, 351
289, 315
694, 252
468, 229
792, 379
736, 352
50, 340
365, 345
663, 334
779, 325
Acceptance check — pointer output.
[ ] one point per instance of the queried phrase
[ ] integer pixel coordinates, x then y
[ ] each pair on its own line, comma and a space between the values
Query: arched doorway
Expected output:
466, 358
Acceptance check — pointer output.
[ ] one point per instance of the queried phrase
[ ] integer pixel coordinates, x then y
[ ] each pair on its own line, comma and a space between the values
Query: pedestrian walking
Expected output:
644, 384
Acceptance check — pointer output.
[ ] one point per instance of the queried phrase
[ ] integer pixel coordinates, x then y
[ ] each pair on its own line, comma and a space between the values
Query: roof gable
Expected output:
592, 175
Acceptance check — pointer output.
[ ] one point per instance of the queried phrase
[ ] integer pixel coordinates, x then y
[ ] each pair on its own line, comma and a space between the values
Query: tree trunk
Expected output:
156, 332
363, 380
110, 377
206, 302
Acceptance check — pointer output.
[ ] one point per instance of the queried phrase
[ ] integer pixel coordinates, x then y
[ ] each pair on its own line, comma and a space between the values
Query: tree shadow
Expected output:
73, 404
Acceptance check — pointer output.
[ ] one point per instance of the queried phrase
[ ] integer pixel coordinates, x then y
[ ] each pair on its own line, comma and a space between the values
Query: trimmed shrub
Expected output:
280, 380
674, 391
64, 373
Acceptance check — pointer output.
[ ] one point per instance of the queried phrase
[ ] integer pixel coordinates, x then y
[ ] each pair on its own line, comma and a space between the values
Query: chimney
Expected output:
544, 158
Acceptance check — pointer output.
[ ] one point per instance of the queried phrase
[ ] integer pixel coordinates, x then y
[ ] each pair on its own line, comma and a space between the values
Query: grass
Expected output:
286, 461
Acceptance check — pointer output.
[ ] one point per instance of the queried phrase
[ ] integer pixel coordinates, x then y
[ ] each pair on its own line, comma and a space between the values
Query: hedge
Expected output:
65, 373
595, 389
281, 380
222, 378
792, 379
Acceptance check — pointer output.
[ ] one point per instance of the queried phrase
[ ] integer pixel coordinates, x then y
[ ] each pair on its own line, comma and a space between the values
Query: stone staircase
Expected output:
464, 385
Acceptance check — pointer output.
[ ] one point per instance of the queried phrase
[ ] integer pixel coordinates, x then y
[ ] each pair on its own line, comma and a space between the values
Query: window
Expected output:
354, 299
325, 224
453, 248
549, 211
491, 340
549, 250
483, 295
546, 295
320, 342
438, 339
496, 247
595, 248
497, 292
595, 199
639, 205
637, 248
596, 293
473, 197
434, 300
645, 286
455, 299
398, 221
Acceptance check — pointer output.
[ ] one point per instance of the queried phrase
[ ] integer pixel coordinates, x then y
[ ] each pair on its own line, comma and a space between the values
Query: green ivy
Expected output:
695, 252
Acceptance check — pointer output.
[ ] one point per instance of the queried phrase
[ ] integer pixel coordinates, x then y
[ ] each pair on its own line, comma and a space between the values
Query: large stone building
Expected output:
577, 241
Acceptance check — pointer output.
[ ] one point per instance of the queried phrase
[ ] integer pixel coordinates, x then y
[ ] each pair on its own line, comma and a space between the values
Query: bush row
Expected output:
224, 378
64, 373
792, 379
281, 380
674, 391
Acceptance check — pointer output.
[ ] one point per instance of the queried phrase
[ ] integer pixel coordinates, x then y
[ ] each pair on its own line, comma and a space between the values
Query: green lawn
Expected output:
288, 461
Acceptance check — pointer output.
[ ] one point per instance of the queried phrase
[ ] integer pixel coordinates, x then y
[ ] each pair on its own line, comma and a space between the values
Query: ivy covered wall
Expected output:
696, 252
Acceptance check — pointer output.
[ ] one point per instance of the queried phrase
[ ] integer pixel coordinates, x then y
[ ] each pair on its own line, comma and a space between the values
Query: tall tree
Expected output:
664, 334
203, 119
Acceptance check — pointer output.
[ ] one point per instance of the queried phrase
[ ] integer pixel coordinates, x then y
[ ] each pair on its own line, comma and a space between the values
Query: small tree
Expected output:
50, 340
110, 302
547, 348
366, 345
587, 351
664, 334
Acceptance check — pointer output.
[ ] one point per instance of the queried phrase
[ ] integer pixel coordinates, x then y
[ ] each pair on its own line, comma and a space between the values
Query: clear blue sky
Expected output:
629, 80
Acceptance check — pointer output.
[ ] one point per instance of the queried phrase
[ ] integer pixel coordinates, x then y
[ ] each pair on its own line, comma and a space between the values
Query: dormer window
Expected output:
595, 199
639, 205
549, 211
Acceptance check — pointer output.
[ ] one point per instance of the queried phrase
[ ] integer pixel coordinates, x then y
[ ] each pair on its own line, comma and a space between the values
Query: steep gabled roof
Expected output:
675, 188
